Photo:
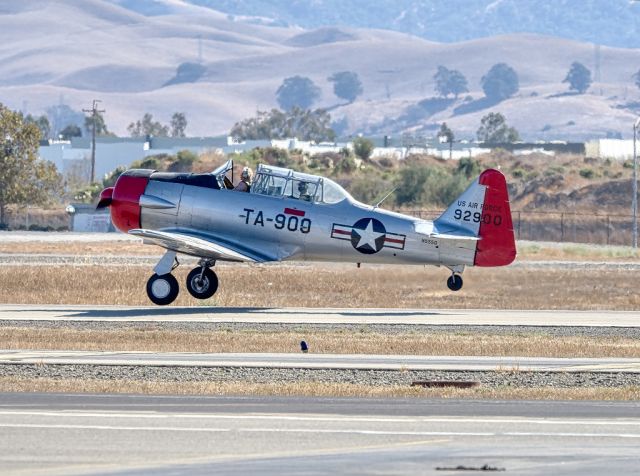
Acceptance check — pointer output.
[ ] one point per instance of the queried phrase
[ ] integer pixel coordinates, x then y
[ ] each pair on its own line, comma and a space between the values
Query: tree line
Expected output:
62, 122
498, 84
502, 82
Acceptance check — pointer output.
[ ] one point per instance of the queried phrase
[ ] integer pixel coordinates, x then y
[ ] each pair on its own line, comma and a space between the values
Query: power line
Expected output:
94, 112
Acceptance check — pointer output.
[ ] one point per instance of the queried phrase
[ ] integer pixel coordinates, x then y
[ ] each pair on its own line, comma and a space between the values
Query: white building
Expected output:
615, 149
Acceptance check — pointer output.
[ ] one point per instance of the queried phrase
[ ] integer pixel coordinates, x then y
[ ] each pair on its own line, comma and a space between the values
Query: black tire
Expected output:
202, 289
162, 290
454, 282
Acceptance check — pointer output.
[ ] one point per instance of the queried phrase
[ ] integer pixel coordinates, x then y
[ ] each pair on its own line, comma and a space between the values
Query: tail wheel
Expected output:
454, 282
162, 289
202, 284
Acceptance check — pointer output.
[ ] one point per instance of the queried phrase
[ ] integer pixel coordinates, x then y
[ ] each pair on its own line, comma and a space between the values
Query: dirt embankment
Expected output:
565, 183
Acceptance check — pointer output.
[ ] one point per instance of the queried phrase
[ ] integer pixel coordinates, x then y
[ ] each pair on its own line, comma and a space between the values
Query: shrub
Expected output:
346, 165
421, 184
183, 161
587, 173
370, 189
387, 162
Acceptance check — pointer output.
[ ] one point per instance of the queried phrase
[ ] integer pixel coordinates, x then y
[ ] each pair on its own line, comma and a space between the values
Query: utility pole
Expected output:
94, 112
635, 184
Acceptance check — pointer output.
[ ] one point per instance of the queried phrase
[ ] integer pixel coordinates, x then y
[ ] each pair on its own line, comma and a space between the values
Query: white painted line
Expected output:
317, 430
315, 418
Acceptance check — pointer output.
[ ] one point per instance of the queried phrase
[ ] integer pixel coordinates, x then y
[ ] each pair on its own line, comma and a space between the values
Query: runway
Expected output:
115, 434
548, 318
321, 361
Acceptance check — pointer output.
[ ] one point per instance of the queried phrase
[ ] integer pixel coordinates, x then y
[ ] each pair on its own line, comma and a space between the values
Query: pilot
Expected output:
304, 191
245, 180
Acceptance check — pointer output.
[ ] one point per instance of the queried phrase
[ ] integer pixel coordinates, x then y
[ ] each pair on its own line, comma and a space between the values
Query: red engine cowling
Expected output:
124, 198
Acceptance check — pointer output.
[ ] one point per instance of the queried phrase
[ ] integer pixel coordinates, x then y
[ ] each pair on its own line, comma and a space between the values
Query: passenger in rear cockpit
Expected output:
245, 181
303, 190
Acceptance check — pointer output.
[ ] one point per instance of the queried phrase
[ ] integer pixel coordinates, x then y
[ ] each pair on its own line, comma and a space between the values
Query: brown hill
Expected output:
80, 50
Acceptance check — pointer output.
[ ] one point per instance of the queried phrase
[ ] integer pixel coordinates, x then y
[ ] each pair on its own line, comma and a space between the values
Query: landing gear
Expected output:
162, 289
202, 282
454, 282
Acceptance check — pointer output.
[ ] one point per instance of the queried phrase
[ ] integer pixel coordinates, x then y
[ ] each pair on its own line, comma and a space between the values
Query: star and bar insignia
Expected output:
368, 236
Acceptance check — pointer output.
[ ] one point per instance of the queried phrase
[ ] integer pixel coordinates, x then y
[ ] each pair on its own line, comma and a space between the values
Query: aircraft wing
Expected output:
198, 246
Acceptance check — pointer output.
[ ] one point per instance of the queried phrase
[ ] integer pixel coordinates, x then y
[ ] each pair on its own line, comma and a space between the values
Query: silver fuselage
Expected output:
285, 228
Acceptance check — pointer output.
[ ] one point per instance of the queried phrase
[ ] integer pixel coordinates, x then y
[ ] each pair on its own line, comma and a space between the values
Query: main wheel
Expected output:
162, 290
454, 282
202, 288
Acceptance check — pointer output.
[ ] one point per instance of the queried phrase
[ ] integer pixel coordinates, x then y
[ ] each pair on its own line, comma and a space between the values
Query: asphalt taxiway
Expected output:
546, 318
124, 434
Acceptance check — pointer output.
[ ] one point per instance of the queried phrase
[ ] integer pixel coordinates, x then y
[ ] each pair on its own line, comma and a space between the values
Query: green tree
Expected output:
101, 126
446, 135
297, 91
178, 124
187, 73
302, 124
60, 116
494, 130
147, 127
500, 82
110, 178
43, 125
578, 77
346, 85
24, 178
363, 148
468, 167
70, 131
450, 81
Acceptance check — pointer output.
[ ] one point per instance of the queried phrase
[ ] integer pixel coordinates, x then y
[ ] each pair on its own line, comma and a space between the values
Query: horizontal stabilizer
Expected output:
427, 229
443, 236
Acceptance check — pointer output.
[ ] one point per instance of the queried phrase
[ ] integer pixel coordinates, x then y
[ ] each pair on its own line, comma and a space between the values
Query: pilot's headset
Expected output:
302, 187
246, 174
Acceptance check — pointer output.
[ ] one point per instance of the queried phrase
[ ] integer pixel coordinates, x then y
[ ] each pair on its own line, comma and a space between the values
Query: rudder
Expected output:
483, 211
497, 245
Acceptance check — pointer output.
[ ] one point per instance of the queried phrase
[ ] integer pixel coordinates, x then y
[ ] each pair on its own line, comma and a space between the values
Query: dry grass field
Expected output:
325, 285
148, 337
312, 389
334, 286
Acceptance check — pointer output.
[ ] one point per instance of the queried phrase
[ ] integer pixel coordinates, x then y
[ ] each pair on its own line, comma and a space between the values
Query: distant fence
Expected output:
564, 226
36, 218
528, 225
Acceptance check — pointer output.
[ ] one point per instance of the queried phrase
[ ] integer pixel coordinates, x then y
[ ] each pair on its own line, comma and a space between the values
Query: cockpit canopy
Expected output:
280, 182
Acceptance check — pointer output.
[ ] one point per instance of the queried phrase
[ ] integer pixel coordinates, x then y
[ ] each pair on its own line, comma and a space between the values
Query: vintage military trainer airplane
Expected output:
289, 215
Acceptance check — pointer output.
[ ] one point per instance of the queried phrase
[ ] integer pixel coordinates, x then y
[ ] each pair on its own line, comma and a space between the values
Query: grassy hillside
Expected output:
100, 49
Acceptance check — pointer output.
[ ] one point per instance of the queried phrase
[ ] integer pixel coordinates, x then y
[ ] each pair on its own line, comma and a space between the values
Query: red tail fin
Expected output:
496, 246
